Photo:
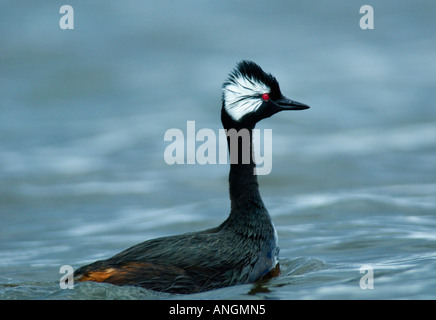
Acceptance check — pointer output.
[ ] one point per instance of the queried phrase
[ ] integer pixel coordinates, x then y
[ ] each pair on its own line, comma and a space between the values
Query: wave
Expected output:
413, 196
360, 142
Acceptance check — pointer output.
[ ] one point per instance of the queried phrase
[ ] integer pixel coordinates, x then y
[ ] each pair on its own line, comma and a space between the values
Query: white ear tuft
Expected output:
242, 96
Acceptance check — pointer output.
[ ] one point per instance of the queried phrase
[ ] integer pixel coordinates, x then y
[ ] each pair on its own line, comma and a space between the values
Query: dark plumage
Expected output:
244, 247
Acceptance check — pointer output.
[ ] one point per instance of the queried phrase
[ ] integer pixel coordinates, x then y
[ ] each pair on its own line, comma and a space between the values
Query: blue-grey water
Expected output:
83, 114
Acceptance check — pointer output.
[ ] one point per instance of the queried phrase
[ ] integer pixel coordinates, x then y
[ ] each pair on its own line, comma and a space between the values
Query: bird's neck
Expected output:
248, 214
244, 188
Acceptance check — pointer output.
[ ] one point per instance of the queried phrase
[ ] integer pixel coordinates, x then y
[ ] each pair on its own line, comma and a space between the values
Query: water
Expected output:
84, 112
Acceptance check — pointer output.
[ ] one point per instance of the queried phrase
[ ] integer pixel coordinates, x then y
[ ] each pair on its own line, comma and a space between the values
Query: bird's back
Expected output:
186, 263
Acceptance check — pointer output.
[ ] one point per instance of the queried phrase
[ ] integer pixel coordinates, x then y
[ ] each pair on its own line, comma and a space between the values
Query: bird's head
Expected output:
250, 95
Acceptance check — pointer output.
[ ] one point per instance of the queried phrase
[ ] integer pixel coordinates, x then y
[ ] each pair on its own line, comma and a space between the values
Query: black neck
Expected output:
244, 188
248, 214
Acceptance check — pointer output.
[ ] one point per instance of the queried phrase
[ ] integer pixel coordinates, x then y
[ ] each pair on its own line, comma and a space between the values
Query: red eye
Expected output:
265, 96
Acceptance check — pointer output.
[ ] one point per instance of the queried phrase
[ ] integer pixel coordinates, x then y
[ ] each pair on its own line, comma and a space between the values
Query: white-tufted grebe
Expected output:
243, 249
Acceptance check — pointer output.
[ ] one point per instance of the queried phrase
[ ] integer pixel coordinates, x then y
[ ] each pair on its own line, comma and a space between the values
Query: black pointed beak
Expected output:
287, 104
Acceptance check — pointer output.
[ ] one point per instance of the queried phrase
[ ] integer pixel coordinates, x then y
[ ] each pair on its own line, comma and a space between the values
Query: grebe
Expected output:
244, 248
